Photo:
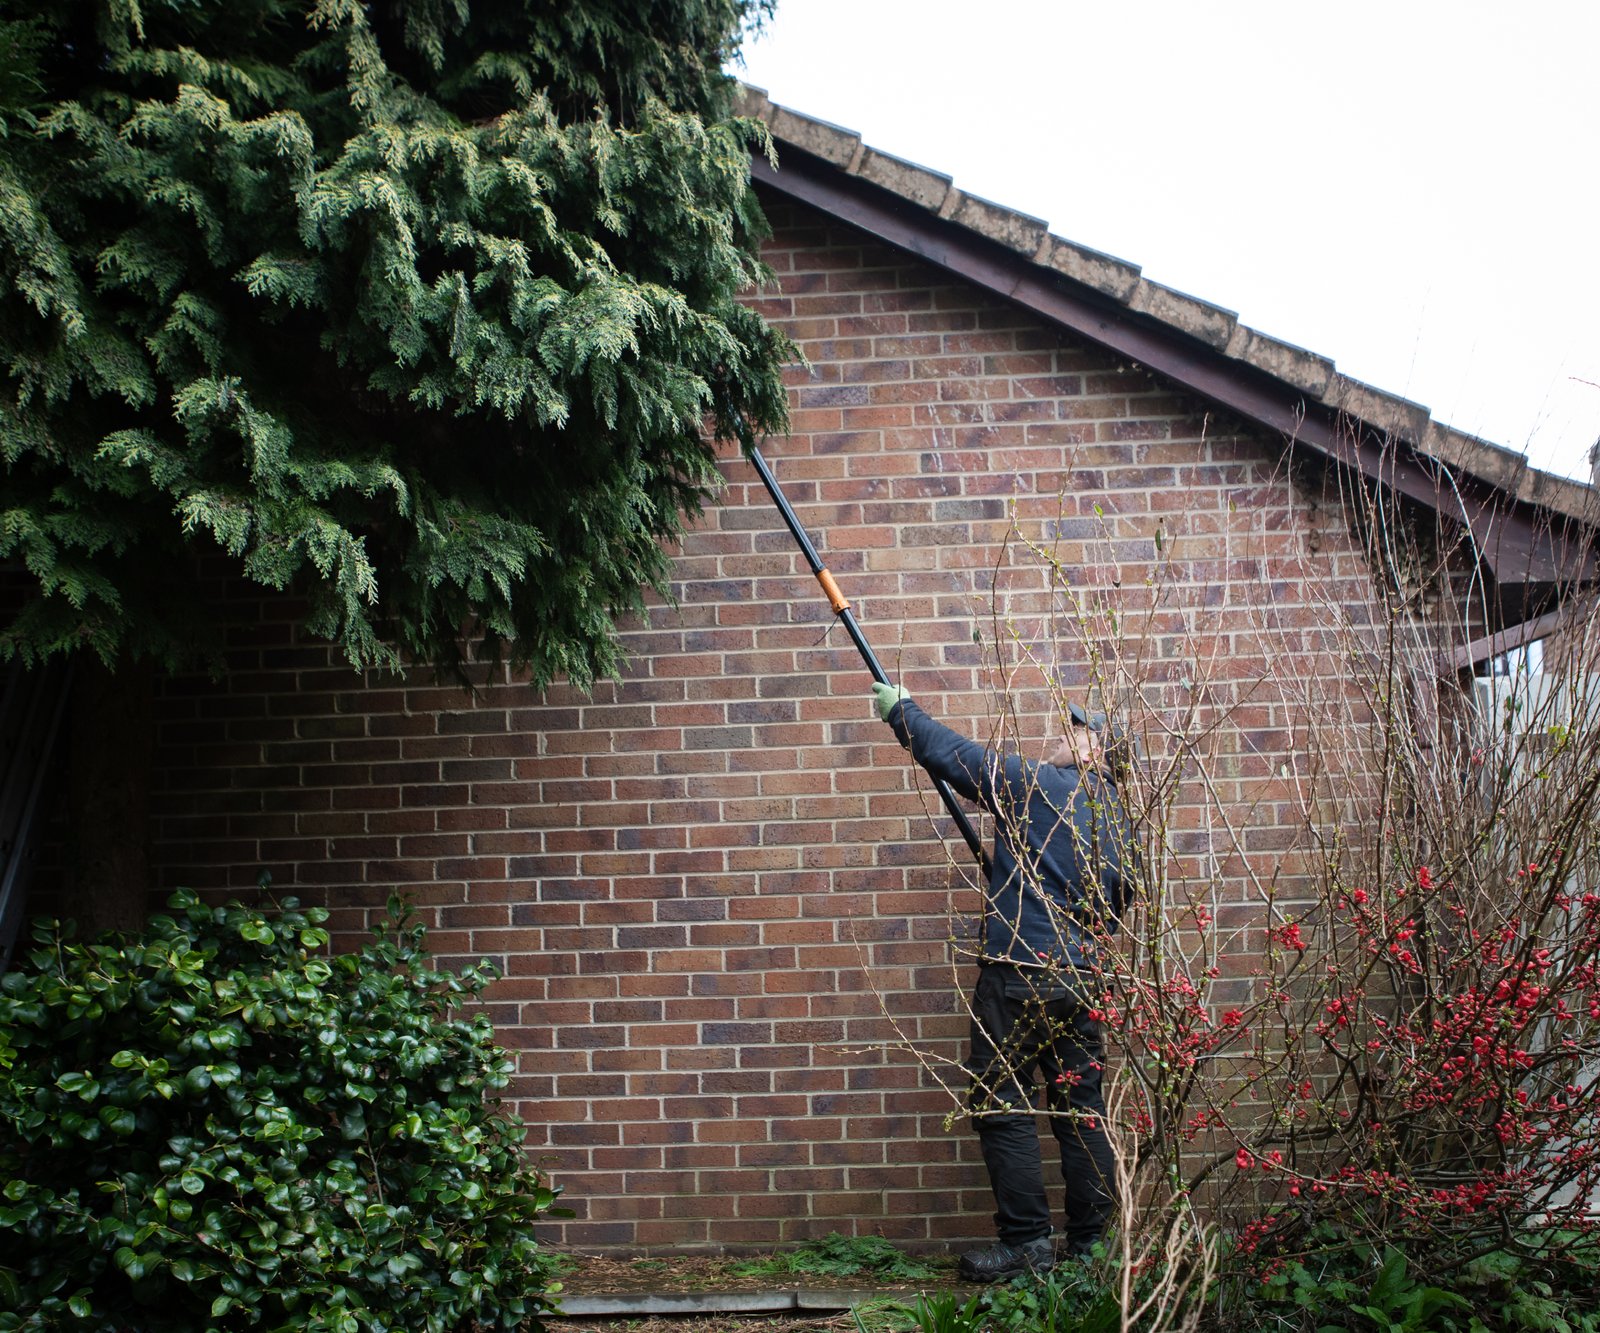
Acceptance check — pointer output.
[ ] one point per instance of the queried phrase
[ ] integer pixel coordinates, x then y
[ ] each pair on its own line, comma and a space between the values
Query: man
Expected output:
1061, 849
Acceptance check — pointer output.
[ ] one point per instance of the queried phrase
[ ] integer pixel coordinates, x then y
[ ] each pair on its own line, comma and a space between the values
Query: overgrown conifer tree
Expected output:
421, 311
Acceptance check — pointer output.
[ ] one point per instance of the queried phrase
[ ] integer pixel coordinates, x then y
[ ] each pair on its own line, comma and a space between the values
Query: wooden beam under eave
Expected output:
1472, 655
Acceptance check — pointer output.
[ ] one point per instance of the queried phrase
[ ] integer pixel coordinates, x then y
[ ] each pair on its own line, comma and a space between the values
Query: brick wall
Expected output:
715, 887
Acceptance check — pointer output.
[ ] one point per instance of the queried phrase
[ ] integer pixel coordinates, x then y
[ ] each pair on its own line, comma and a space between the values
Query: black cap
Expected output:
1084, 718
1114, 740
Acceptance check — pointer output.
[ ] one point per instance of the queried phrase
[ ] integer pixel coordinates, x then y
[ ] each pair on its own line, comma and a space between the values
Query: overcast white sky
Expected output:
1407, 187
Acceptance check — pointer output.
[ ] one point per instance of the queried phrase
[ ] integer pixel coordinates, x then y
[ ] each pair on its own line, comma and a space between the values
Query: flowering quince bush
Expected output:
1356, 1001
1409, 1072
215, 1124
1387, 1027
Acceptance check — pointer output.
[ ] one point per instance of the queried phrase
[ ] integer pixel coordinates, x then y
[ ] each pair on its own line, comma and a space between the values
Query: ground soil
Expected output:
593, 1275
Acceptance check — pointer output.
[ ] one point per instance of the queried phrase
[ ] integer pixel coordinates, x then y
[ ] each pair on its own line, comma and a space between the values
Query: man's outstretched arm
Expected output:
946, 754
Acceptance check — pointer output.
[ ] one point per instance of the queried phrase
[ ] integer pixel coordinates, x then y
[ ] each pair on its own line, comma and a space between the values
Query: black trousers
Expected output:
1026, 1022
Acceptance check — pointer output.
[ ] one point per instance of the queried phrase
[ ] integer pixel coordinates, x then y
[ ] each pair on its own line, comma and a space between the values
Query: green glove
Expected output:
887, 697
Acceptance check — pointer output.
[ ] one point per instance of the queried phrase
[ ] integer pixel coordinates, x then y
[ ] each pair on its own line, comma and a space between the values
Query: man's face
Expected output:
1078, 745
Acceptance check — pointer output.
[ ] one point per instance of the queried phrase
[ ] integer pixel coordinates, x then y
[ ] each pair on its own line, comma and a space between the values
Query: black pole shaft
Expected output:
841, 609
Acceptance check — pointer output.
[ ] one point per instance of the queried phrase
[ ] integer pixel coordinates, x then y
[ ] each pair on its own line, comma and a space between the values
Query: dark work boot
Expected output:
1000, 1260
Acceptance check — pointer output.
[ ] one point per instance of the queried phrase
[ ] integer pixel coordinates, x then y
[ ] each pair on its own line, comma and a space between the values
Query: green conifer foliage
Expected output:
423, 310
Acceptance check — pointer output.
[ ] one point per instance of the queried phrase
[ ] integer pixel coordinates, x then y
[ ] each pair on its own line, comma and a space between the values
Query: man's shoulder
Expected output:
1069, 785
1057, 784
1067, 776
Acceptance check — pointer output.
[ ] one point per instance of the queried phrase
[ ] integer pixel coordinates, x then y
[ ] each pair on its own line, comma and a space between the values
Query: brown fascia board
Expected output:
1276, 384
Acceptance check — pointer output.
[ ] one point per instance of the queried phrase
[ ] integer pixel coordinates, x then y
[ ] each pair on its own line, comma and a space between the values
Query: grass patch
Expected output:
841, 1256
885, 1314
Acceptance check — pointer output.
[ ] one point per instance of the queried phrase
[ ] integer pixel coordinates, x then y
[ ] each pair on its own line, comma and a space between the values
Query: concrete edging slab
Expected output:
714, 1302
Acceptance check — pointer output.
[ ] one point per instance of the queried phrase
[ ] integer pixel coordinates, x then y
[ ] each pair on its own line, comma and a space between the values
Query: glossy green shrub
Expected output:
216, 1124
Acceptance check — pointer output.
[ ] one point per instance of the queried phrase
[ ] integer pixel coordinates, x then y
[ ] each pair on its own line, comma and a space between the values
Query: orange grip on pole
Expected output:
835, 597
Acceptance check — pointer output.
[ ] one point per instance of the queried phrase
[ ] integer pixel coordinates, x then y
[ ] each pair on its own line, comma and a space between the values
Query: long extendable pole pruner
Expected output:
841, 608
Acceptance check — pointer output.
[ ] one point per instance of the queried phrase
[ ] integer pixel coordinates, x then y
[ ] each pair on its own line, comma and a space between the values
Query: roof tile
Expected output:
832, 143
1115, 277
906, 179
752, 101
1015, 231
1305, 370
1481, 458
1211, 324
1387, 412
1566, 496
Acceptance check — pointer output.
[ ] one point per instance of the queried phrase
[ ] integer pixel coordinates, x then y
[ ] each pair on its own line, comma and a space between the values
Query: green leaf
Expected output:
118, 1119
81, 1084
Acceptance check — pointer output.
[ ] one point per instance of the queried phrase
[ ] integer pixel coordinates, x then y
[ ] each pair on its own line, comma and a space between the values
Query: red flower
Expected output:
1289, 937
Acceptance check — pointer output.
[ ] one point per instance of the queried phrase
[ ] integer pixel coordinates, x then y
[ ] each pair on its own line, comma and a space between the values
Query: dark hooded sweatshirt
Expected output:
1061, 843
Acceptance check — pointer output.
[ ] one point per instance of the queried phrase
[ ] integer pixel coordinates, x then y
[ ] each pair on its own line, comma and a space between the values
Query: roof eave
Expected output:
1202, 346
